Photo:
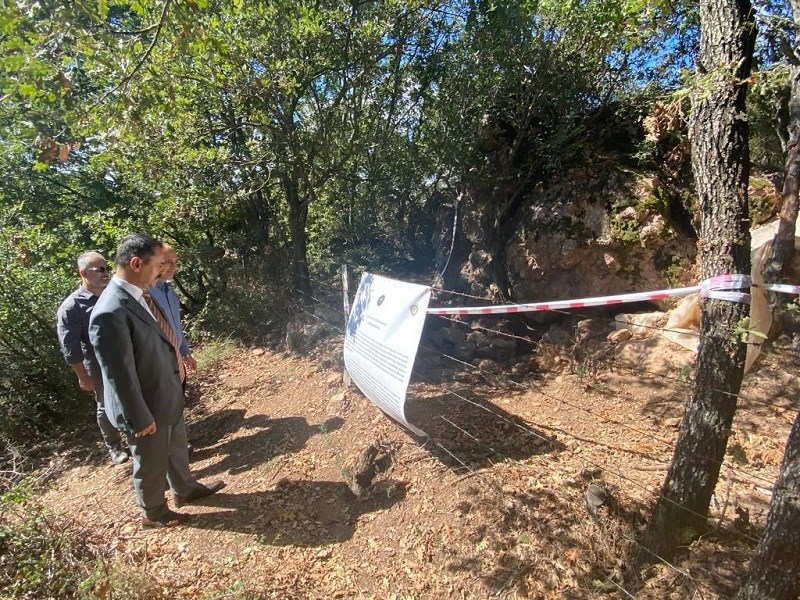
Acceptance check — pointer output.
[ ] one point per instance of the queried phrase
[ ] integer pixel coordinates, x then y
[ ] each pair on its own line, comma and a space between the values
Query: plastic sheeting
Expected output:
683, 324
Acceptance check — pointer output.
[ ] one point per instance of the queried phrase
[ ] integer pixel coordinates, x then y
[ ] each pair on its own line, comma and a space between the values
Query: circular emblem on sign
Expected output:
381, 299
414, 308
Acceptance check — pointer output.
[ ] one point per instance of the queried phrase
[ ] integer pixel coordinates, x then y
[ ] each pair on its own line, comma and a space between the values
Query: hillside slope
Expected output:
493, 505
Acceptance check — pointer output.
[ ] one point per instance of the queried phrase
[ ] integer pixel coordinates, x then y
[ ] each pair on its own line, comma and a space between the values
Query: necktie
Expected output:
168, 331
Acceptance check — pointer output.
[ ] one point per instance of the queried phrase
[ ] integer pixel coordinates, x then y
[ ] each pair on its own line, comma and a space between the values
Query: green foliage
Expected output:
35, 388
742, 332
766, 98
761, 200
738, 454
240, 130
47, 218
545, 92
270, 140
677, 271
18, 493
624, 227
624, 230
43, 555
213, 352
250, 310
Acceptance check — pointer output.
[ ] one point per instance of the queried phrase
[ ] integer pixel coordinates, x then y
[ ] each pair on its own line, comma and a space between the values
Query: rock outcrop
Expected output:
591, 233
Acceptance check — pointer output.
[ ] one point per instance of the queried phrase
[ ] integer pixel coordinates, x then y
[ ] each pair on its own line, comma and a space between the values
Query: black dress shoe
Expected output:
201, 492
168, 519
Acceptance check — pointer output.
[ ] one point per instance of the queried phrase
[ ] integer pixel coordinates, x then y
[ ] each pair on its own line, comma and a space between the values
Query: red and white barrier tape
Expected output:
784, 288
714, 287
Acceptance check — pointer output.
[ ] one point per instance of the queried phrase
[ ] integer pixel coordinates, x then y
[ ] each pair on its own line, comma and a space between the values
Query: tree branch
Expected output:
162, 20
134, 32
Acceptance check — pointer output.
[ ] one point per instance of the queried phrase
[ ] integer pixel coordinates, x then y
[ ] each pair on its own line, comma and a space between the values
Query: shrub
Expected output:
41, 556
37, 388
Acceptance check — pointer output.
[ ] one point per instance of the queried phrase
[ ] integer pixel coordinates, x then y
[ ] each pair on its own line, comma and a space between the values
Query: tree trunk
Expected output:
775, 568
298, 216
720, 160
783, 243
257, 221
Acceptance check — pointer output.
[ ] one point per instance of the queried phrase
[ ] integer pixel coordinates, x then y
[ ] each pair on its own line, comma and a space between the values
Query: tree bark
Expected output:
783, 243
720, 161
298, 217
775, 568
774, 572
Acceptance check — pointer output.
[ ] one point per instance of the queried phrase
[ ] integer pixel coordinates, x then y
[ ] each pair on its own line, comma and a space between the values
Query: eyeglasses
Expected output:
99, 269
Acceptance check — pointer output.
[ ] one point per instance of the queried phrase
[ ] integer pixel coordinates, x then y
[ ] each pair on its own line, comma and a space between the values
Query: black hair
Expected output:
136, 244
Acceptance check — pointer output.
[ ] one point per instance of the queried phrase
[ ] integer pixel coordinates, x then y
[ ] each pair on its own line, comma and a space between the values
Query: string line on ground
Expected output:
466, 466
748, 475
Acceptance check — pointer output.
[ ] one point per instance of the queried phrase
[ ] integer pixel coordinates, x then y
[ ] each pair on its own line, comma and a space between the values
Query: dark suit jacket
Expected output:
140, 370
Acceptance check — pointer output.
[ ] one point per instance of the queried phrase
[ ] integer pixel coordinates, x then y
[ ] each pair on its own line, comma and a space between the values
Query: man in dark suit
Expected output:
138, 356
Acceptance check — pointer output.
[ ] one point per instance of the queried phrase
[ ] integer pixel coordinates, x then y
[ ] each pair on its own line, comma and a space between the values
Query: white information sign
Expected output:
381, 340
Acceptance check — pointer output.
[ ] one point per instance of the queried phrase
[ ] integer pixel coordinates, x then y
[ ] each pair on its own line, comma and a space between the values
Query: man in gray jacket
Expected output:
139, 359
72, 326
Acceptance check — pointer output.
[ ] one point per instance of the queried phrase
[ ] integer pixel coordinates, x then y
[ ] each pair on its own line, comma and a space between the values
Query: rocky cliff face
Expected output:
592, 232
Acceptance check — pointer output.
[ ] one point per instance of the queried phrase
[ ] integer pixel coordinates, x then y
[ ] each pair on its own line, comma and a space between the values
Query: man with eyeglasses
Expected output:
72, 326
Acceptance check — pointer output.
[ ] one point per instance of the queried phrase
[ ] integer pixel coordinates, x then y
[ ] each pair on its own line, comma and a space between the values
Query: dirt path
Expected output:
493, 504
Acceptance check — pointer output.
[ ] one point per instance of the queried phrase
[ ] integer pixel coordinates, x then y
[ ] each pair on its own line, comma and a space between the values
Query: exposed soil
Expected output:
493, 504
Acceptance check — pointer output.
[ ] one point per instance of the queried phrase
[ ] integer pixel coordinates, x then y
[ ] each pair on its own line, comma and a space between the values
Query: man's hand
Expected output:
86, 383
190, 363
149, 430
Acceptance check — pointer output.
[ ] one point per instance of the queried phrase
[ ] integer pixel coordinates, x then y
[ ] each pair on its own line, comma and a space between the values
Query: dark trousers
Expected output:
161, 460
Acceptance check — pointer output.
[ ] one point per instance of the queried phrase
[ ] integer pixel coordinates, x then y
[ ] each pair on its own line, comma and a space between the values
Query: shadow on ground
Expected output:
510, 543
268, 438
471, 432
297, 513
